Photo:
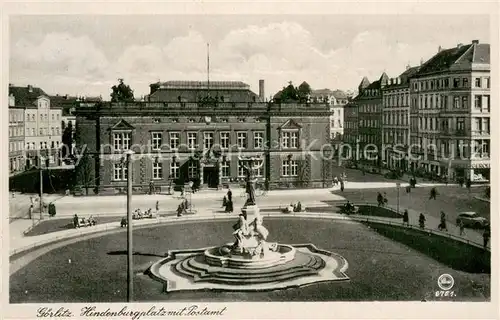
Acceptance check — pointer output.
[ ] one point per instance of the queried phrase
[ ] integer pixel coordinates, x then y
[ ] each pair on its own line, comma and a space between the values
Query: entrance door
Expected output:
211, 177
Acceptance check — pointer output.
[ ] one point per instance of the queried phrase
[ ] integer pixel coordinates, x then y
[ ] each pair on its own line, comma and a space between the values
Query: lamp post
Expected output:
130, 285
41, 186
398, 184
191, 183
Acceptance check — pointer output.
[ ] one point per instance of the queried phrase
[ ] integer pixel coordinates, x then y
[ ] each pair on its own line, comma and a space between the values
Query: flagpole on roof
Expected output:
208, 68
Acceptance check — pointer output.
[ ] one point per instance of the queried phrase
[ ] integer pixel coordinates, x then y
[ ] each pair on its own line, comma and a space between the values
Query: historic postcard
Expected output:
198, 160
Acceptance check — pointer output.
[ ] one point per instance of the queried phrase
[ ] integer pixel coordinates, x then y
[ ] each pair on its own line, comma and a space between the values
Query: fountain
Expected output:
250, 263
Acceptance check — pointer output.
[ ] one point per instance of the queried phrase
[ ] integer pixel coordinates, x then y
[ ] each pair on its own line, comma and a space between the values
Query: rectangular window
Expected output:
53, 115
242, 140
456, 102
241, 169
477, 124
226, 169
460, 124
456, 82
477, 83
224, 140
175, 138
174, 170
119, 172
157, 170
192, 169
488, 82
478, 102
258, 140
465, 102
294, 139
208, 140
294, 168
156, 140
191, 140
121, 141
465, 82
486, 125
259, 168
285, 168
446, 83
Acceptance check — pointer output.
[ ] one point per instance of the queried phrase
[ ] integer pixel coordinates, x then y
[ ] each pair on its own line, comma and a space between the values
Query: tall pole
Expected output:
208, 68
41, 189
130, 275
398, 184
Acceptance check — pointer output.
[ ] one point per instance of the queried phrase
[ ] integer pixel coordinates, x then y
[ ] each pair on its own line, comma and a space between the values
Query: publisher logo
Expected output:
445, 282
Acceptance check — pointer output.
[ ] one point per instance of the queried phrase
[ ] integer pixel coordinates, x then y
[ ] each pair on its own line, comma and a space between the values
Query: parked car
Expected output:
472, 220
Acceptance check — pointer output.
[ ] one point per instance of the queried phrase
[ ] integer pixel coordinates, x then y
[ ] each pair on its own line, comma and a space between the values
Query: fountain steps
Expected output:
199, 271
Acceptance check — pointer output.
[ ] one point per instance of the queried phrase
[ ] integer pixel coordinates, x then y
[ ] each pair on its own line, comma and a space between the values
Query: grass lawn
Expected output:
379, 268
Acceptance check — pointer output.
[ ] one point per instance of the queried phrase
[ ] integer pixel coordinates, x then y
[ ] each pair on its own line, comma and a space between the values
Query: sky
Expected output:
86, 54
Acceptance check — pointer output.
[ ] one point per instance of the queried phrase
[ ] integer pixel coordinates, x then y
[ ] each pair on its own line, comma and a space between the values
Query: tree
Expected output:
67, 141
304, 91
84, 172
122, 93
289, 93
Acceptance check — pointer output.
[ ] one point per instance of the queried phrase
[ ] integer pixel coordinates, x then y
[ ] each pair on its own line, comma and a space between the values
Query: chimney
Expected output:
30, 88
439, 49
475, 41
262, 95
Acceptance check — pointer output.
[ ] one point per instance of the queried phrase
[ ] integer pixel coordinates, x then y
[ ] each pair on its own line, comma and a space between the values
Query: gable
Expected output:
122, 125
290, 124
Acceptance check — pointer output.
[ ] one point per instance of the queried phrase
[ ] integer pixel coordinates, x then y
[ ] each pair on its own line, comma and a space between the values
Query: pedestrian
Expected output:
157, 208
433, 194
30, 212
486, 236
421, 221
76, 221
380, 199
342, 185
462, 228
406, 219
151, 187
442, 224
468, 184
335, 181
229, 195
224, 201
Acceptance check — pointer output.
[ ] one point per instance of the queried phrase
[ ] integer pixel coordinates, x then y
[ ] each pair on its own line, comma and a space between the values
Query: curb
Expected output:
332, 216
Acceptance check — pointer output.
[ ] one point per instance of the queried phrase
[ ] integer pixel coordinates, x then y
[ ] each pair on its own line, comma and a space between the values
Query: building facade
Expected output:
450, 113
16, 137
336, 99
396, 120
177, 142
42, 125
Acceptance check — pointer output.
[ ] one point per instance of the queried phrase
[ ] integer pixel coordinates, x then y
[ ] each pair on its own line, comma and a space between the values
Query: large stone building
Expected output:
16, 137
42, 125
365, 135
450, 113
200, 139
396, 120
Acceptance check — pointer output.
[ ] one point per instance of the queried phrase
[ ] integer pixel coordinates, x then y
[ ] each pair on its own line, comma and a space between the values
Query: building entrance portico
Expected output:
211, 176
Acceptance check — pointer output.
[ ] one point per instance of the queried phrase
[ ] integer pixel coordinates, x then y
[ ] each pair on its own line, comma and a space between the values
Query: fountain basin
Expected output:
225, 257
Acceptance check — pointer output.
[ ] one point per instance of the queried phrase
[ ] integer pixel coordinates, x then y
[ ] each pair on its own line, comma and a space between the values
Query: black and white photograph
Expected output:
212, 159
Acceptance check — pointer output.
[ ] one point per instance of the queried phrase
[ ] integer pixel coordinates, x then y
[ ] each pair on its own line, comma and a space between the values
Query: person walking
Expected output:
442, 224
229, 195
486, 236
406, 218
380, 199
462, 228
342, 185
157, 208
421, 221
468, 184
30, 212
433, 194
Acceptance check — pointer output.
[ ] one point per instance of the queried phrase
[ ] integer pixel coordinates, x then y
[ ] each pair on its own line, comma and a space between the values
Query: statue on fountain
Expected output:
251, 236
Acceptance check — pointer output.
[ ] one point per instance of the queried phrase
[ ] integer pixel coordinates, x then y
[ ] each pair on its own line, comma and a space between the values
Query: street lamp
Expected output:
128, 155
191, 183
398, 184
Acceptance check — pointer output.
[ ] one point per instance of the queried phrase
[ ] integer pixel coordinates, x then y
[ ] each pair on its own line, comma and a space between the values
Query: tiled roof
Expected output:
24, 97
472, 53
321, 92
197, 85
374, 85
339, 94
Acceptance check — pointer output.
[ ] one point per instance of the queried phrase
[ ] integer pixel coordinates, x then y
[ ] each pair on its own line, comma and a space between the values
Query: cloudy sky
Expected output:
86, 55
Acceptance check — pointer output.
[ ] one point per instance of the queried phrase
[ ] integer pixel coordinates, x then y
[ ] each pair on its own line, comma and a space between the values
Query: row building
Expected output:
199, 131
432, 119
